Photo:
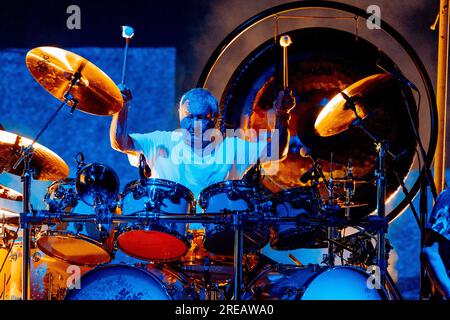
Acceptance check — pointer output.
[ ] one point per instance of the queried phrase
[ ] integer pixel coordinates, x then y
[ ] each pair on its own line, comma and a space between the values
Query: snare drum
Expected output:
303, 202
286, 282
123, 282
232, 195
84, 244
161, 241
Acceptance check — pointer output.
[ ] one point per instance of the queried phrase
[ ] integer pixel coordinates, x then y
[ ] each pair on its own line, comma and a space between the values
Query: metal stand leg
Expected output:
238, 253
330, 256
26, 184
381, 209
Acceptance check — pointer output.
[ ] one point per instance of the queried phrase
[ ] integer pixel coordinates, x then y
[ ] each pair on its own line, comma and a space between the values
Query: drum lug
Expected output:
171, 290
13, 256
292, 291
188, 290
36, 257
78, 227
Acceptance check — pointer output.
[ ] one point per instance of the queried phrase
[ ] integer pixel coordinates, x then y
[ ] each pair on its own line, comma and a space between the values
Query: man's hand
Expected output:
285, 101
126, 93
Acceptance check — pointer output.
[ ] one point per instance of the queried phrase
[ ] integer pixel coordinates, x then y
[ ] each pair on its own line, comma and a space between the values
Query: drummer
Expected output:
185, 156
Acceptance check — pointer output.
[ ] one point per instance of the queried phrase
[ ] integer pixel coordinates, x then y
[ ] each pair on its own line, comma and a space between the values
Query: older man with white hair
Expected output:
191, 156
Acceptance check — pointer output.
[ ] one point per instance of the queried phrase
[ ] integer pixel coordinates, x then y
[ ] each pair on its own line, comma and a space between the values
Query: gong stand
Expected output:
28, 172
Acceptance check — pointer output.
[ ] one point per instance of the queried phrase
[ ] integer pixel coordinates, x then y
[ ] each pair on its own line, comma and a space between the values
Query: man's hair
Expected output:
201, 101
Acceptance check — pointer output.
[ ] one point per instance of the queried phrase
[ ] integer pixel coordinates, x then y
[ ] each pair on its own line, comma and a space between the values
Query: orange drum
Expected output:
77, 243
160, 241
49, 277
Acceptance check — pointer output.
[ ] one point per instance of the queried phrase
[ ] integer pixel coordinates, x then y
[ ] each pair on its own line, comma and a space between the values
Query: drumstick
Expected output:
127, 33
296, 261
285, 41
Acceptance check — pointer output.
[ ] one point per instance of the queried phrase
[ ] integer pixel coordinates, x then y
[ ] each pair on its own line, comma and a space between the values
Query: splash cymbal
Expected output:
337, 117
46, 164
54, 68
9, 194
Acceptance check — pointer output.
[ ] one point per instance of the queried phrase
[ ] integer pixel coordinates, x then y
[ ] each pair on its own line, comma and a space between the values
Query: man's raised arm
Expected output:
118, 135
283, 105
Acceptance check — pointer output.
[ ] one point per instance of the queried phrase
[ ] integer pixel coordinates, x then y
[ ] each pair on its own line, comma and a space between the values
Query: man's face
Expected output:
195, 123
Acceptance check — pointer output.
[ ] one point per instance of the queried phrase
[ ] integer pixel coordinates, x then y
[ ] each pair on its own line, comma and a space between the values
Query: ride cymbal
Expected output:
46, 164
337, 116
54, 69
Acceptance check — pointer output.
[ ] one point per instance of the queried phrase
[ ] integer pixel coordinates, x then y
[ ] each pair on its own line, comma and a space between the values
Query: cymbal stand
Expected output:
26, 157
349, 189
380, 174
330, 230
238, 254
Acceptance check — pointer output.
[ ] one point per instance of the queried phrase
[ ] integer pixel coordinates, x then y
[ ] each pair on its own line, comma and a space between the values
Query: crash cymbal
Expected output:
9, 194
54, 68
337, 117
46, 164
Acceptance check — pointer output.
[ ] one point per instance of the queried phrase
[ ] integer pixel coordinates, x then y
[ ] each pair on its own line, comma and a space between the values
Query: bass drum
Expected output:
49, 277
124, 282
287, 282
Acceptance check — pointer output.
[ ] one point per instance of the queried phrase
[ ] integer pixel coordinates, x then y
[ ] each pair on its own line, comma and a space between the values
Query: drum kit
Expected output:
148, 221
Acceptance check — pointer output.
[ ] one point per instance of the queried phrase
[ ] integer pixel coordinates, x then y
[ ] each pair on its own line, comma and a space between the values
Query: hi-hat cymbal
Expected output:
46, 164
337, 117
54, 68
9, 194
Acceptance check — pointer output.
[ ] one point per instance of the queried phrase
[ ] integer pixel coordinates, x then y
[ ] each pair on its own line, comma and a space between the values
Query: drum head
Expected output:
341, 283
152, 245
74, 250
117, 282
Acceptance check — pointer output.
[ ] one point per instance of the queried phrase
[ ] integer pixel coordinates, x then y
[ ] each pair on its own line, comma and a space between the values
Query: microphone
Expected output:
392, 69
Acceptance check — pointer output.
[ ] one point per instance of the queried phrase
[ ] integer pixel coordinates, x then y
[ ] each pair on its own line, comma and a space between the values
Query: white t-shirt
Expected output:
171, 159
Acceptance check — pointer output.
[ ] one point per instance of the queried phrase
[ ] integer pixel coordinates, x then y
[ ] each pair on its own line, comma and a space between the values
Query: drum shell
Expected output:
160, 196
135, 198
232, 195
296, 202
91, 244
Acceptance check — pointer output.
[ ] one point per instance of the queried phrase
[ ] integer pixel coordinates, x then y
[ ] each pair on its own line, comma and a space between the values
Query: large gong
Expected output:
322, 63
